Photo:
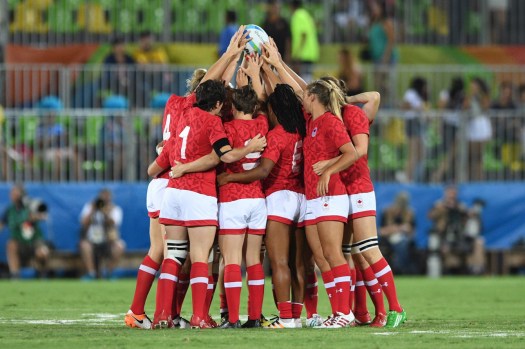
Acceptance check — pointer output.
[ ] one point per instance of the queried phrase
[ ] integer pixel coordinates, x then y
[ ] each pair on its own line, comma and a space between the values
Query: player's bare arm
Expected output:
347, 158
370, 100
360, 146
228, 154
200, 165
260, 172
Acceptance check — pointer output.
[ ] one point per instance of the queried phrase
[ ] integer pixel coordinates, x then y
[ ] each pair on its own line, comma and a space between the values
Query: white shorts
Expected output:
188, 209
287, 207
327, 208
242, 216
154, 196
362, 205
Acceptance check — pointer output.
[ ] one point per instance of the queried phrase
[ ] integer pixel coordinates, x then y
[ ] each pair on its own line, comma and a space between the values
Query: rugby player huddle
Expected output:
271, 165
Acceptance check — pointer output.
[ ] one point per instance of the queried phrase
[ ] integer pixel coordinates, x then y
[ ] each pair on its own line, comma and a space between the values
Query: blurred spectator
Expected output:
150, 78
26, 242
506, 123
498, 20
148, 52
415, 102
459, 232
521, 106
100, 236
228, 31
55, 143
350, 19
118, 76
112, 135
350, 72
397, 232
305, 43
381, 42
278, 28
479, 129
451, 103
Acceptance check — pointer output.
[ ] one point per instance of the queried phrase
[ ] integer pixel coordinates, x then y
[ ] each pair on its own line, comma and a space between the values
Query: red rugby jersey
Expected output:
240, 132
357, 177
172, 113
196, 132
324, 136
286, 151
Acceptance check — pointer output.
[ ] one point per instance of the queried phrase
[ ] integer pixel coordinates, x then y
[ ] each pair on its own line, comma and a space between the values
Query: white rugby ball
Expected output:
258, 38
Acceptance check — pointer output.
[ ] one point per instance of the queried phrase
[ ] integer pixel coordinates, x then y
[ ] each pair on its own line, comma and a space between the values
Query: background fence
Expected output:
55, 22
101, 145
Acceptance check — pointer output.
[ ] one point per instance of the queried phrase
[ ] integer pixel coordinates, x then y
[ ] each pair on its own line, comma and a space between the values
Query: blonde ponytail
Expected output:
329, 94
195, 79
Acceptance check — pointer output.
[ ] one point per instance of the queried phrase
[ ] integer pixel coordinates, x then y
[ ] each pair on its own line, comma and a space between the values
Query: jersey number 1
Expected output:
184, 135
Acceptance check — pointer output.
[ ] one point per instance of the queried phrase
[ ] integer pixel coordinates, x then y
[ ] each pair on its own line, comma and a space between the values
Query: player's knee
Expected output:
177, 250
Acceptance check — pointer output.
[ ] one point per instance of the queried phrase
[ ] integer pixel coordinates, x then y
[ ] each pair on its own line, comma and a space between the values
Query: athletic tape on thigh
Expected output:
347, 249
177, 250
364, 245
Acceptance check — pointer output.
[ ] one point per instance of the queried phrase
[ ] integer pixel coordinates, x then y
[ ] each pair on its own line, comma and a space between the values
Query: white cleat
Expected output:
314, 321
298, 323
282, 323
330, 320
343, 320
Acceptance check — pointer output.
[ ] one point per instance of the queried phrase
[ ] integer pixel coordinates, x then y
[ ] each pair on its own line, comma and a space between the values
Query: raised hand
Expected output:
238, 41
241, 79
254, 63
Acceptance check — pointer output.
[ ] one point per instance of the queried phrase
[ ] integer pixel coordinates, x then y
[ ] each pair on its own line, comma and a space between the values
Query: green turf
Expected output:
446, 313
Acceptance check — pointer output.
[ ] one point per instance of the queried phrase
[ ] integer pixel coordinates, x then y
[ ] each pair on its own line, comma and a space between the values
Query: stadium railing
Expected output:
443, 22
144, 86
39, 145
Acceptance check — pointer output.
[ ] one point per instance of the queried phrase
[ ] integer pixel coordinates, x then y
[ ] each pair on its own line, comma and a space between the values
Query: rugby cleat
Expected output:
197, 322
395, 319
180, 322
265, 322
342, 320
282, 323
227, 325
252, 324
315, 320
212, 322
298, 323
330, 320
137, 321
162, 321
362, 319
379, 320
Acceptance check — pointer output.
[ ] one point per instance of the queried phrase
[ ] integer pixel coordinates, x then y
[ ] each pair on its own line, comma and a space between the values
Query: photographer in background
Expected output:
26, 242
397, 234
459, 232
100, 236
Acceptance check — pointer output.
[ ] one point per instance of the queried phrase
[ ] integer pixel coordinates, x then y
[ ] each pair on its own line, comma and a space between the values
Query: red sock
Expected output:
386, 278
360, 306
285, 310
199, 286
182, 288
297, 309
209, 294
342, 287
310, 295
352, 286
374, 290
145, 277
232, 286
224, 303
166, 286
329, 285
256, 291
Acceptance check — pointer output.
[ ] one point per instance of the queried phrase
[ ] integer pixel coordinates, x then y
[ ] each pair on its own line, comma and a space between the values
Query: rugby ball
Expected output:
258, 37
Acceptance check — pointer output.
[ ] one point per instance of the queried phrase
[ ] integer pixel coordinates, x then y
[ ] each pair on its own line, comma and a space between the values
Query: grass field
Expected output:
446, 313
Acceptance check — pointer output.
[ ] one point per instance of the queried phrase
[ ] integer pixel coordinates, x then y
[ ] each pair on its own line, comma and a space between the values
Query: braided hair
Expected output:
288, 109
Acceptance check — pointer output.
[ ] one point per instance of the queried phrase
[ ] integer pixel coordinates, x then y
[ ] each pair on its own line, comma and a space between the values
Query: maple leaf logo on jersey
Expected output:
360, 203
314, 132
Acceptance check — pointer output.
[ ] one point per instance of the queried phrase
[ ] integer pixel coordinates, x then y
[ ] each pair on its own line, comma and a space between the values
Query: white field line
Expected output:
102, 319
